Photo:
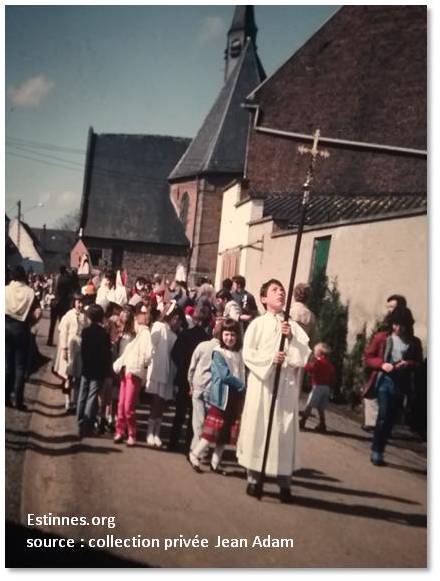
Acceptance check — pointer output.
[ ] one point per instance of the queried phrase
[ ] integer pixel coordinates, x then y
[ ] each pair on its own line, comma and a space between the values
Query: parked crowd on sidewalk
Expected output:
211, 352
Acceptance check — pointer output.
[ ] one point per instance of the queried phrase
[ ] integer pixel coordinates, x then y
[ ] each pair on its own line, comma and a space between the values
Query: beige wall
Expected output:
234, 226
371, 261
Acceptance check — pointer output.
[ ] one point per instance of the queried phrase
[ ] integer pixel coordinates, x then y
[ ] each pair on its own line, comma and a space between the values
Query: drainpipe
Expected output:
363, 145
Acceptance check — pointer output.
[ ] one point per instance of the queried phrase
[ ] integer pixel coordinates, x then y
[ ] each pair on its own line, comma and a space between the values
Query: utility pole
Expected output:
18, 223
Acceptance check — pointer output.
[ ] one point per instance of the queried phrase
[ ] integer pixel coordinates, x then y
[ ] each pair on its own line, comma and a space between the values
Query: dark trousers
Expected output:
183, 404
17, 343
87, 402
57, 312
389, 400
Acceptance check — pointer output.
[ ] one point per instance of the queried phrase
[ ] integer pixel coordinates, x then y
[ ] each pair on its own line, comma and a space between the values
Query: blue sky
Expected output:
137, 69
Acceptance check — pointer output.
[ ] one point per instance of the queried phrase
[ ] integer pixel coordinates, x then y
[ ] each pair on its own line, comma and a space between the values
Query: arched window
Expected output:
184, 208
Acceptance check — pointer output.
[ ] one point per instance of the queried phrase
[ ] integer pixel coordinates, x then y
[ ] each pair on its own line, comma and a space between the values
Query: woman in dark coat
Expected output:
392, 356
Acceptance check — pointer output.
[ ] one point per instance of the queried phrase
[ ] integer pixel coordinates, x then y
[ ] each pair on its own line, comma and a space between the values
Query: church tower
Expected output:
242, 27
216, 155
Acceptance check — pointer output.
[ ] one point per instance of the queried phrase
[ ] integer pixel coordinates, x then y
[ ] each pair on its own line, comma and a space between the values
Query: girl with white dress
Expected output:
68, 358
161, 373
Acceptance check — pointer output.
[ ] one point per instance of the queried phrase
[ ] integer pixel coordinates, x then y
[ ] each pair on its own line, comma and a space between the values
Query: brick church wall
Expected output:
149, 263
140, 259
205, 248
177, 191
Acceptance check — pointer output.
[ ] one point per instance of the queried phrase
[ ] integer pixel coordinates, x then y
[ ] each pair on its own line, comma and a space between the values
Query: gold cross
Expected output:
314, 151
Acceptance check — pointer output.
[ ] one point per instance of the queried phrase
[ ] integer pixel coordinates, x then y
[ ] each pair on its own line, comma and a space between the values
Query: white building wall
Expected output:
370, 261
31, 258
234, 226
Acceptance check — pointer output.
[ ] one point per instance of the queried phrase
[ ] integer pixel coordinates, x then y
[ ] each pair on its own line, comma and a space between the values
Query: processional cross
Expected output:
315, 153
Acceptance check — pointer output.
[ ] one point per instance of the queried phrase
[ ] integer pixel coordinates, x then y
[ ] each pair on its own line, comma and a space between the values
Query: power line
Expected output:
40, 145
76, 166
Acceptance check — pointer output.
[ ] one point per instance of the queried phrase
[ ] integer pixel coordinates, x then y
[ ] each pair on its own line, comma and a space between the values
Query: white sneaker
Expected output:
193, 460
157, 442
150, 440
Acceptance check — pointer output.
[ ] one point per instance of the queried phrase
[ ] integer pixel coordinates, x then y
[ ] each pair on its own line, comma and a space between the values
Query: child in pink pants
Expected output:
132, 365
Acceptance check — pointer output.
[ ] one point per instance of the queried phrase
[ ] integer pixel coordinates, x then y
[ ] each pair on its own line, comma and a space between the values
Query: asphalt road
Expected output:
346, 513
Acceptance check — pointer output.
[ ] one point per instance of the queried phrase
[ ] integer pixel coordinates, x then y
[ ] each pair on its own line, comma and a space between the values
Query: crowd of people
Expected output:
211, 352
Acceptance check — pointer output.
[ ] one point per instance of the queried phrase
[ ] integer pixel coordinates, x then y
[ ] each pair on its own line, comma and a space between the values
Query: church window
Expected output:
184, 208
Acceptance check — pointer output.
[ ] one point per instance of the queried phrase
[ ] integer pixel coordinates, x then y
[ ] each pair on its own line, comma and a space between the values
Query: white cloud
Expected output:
212, 28
31, 92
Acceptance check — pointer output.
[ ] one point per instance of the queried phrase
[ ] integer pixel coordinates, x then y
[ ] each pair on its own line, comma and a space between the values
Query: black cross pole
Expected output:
314, 152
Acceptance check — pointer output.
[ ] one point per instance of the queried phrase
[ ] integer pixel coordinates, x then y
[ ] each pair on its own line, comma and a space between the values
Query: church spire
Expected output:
243, 27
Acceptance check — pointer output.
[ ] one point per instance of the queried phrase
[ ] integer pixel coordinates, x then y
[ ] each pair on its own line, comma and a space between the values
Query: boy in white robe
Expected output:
261, 356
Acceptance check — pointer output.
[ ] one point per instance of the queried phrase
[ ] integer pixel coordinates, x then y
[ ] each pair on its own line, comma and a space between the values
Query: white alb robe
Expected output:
161, 372
70, 328
261, 342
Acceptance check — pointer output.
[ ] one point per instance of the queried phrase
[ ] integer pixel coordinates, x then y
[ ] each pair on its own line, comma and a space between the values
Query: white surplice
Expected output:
70, 328
161, 372
261, 342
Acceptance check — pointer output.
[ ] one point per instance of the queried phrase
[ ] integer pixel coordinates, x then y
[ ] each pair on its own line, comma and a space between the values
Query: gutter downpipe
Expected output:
334, 141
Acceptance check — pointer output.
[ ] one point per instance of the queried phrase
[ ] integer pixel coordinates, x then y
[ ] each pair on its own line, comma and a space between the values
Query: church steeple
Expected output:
243, 27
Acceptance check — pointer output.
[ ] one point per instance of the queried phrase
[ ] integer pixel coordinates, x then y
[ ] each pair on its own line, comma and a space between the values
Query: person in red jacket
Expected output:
391, 356
323, 376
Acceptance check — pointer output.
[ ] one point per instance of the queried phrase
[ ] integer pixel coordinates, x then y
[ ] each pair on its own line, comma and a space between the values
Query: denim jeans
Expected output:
17, 345
388, 399
87, 401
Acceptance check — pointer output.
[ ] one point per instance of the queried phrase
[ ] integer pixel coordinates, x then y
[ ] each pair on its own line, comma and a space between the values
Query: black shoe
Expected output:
321, 428
285, 496
252, 490
367, 428
218, 470
99, 427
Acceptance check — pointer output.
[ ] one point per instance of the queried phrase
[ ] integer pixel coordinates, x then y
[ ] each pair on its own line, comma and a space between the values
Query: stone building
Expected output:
217, 154
360, 79
127, 219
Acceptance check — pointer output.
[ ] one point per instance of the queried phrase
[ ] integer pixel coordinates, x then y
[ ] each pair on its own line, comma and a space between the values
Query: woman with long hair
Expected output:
392, 356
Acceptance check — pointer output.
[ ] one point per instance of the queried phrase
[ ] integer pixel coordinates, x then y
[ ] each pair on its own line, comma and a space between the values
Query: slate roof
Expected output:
220, 144
56, 241
126, 193
244, 19
285, 209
